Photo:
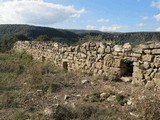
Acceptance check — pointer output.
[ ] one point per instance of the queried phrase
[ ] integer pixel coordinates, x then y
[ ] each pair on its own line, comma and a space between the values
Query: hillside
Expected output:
11, 33
33, 32
71, 36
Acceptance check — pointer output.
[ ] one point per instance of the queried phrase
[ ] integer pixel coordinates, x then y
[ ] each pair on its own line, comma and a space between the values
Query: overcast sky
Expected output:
104, 15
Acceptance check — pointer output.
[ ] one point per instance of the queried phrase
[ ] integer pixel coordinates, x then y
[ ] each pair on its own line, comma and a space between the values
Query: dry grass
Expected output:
36, 91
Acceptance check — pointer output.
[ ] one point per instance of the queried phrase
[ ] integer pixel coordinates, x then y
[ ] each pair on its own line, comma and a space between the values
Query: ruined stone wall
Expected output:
141, 63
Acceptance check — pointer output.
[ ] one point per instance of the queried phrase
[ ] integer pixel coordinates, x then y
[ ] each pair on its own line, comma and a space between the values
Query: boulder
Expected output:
126, 79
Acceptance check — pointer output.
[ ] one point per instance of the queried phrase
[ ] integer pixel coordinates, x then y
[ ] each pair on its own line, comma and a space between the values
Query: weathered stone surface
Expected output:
92, 44
139, 76
99, 65
144, 47
136, 55
150, 85
156, 51
137, 50
108, 49
117, 63
126, 79
118, 48
157, 83
157, 75
101, 50
147, 51
147, 57
127, 47
157, 59
136, 64
146, 65
99, 57
156, 45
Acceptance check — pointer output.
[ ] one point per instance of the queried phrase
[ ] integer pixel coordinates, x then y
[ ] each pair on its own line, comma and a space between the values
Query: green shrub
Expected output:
62, 113
111, 77
121, 99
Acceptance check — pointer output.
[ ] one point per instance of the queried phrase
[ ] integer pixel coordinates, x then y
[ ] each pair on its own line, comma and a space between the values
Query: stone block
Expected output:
144, 47
94, 53
115, 53
157, 75
136, 55
147, 51
157, 59
108, 49
150, 85
137, 50
127, 47
137, 69
136, 64
83, 55
101, 50
156, 45
147, 57
118, 48
156, 51
148, 72
137, 75
92, 44
99, 65
157, 83
146, 65
157, 65
117, 63
102, 45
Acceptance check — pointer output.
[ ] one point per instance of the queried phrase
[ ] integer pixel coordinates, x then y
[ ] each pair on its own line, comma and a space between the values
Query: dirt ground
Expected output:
36, 92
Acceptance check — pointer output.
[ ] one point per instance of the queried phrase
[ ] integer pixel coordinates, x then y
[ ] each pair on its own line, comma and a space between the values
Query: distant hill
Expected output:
33, 32
10, 33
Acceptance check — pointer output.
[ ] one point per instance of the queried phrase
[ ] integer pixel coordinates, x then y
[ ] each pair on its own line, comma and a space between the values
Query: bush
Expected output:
121, 99
111, 77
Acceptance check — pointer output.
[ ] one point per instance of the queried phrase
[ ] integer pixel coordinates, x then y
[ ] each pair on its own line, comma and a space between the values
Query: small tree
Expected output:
43, 38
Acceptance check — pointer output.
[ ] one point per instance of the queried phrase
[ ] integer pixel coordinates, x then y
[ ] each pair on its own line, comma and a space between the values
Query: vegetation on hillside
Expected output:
11, 33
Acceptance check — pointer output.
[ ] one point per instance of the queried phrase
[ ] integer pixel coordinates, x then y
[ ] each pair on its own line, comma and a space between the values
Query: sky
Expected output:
103, 15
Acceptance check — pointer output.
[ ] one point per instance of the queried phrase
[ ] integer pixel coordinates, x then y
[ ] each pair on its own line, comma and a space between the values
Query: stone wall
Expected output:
142, 62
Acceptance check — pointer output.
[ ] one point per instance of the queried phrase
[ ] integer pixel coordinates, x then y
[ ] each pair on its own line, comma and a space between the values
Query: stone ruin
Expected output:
141, 63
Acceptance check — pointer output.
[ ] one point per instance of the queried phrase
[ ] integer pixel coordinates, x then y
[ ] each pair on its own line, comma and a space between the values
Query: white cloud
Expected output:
145, 18
158, 29
112, 28
103, 20
140, 25
36, 12
157, 17
90, 27
156, 4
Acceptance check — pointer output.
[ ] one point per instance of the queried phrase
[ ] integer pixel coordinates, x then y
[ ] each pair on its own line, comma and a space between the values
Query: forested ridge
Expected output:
11, 33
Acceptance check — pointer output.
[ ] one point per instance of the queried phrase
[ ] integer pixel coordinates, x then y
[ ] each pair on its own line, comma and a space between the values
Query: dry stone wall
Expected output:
142, 62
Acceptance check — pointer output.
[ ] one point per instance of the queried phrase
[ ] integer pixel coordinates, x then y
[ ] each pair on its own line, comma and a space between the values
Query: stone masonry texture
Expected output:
100, 58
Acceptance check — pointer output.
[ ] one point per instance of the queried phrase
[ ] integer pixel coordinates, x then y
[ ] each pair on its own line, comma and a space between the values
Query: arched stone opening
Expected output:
65, 66
43, 59
126, 68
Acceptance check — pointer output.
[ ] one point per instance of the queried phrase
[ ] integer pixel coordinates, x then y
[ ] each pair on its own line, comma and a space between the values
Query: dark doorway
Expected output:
65, 66
126, 68
43, 59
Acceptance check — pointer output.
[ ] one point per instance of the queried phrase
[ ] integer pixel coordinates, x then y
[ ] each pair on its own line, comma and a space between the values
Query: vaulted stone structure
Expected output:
142, 62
